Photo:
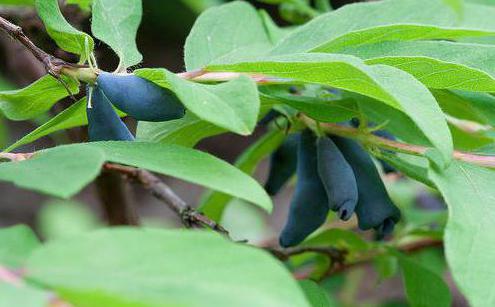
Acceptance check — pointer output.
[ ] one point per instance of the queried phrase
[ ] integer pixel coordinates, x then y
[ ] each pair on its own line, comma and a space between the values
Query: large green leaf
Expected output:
64, 170
468, 191
116, 22
61, 171
437, 64
233, 30
387, 84
214, 203
233, 105
64, 34
190, 165
424, 288
372, 22
16, 244
144, 267
34, 99
73, 116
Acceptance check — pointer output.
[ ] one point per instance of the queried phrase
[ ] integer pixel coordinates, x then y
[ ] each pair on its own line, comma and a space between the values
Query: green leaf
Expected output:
24, 296
437, 64
17, 2
274, 32
387, 84
424, 287
477, 107
187, 131
468, 191
17, 243
391, 20
63, 33
214, 203
315, 294
116, 22
33, 100
479, 16
134, 267
338, 238
61, 171
190, 165
233, 105
233, 30
64, 170
73, 116
320, 109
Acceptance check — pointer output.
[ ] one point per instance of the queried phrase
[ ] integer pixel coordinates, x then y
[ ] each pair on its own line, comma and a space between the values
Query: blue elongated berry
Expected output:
140, 98
374, 209
309, 205
103, 122
283, 163
338, 178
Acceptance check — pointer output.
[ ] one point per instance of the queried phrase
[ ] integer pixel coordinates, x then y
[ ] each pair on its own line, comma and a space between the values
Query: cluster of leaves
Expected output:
422, 67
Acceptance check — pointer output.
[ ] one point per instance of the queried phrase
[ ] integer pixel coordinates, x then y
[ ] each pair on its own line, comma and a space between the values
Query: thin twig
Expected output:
337, 257
52, 64
189, 216
417, 150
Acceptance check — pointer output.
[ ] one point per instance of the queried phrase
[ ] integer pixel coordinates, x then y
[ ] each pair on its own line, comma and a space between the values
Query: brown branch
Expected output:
52, 64
113, 198
417, 150
337, 257
189, 216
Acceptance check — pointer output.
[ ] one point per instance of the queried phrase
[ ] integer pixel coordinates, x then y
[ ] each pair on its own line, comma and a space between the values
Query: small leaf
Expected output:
338, 238
17, 243
64, 34
17, 2
116, 22
315, 294
33, 100
187, 131
214, 203
73, 116
134, 267
229, 31
424, 288
233, 105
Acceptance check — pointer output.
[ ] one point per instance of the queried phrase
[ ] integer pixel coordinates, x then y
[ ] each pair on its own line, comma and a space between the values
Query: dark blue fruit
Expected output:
140, 98
283, 163
338, 178
103, 122
309, 205
374, 208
